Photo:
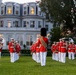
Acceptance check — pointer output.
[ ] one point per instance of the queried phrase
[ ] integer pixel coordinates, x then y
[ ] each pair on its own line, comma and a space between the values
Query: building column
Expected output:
5, 41
36, 24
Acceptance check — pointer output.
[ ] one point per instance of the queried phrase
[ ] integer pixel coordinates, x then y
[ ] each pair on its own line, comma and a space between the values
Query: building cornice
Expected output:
9, 16
22, 17
19, 30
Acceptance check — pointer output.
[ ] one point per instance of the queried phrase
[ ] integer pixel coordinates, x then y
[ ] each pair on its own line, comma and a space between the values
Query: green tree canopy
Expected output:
60, 11
56, 34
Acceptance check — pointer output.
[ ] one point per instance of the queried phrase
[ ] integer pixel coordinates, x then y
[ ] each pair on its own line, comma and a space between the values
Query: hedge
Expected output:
26, 52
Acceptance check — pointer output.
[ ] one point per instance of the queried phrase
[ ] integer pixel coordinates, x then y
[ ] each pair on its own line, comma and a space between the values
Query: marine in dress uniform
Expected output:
18, 48
69, 50
38, 54
60, 43
12, 50
73, 51
53, 48
63, 51
1, 45
56, 52
42, 42
33, 51
37, 50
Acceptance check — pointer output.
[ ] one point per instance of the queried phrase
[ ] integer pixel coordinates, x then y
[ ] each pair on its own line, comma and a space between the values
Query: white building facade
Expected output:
21, 22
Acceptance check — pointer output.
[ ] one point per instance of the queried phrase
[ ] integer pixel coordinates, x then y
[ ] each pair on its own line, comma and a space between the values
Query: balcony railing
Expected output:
19, 28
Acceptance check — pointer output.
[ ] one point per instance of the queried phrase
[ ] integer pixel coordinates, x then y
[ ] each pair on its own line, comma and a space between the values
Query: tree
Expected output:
60, 11
56, 34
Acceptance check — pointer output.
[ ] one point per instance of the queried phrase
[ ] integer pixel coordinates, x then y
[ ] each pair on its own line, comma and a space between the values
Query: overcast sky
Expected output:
20, 1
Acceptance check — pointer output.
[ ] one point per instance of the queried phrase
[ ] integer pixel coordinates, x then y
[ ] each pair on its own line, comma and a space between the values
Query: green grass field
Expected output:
26, 66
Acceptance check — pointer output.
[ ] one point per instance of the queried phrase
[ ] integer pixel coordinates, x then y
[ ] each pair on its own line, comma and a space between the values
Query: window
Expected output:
17, 10
24, 10
9, 10
39, 12
9, 24
28, 10
36, 10
24, 23
20, 39
46, 26
1, 35
16, 24
2, 10
9, 36
1, 23
29, 40
32, 10
39, 24
29, 43
32, 24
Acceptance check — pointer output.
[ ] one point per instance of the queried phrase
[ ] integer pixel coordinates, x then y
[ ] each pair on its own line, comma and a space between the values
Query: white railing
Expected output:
19, 28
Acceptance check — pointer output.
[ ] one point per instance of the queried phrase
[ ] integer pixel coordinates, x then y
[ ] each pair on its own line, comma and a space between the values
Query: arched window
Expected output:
9, 36
29, 40
32, 24
9, 10
32, 10
24, 23
20, 39
16, 23
17, 10
24, 11
9, 23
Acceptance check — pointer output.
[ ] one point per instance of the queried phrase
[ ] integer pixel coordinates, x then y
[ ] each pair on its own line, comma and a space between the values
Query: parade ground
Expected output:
26, 66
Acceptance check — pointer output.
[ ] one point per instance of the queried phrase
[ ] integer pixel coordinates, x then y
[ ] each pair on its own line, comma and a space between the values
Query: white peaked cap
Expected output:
16, 41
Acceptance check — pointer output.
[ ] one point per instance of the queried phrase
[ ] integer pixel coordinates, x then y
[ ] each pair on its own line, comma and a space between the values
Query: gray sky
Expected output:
20, 1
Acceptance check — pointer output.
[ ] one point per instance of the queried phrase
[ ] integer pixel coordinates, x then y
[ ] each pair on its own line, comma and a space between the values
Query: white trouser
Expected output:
69, 55
72, 55
17, 54
56, 56
34, 56
38, 57
43, 58
12, 57
63, 57
53, 56
0, 54
59, 54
